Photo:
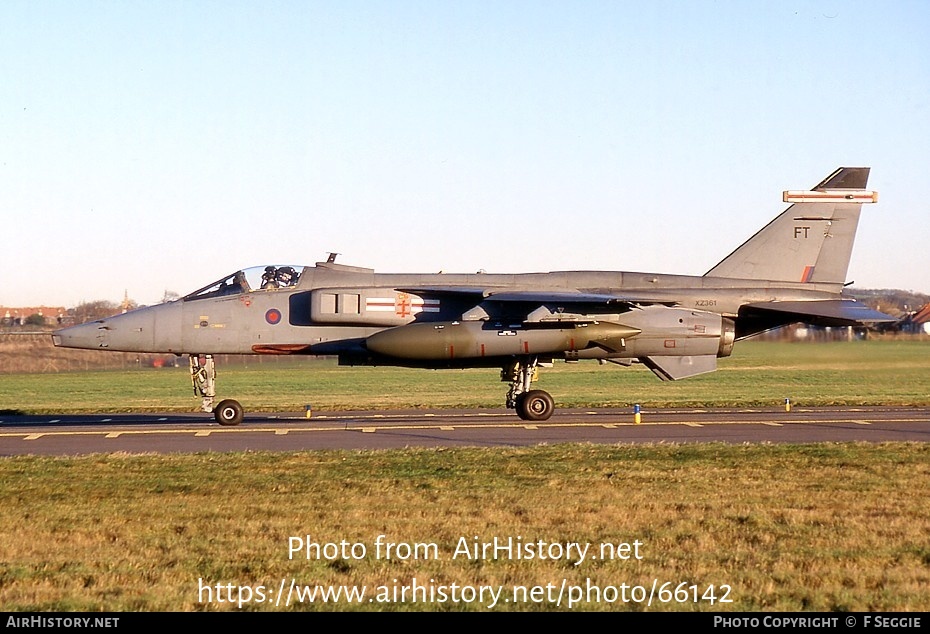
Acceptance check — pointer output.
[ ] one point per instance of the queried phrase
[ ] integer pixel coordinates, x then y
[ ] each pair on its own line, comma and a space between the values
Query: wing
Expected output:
538, 310
556, 301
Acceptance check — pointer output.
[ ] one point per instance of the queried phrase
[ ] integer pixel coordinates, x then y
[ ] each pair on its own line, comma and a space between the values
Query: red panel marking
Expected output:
482, 350
669, 343
526, 347
571, 343
807, 274
284, 348
451, 351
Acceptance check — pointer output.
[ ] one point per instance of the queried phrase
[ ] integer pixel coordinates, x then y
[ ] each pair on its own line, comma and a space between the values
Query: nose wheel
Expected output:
203, 376
228, 413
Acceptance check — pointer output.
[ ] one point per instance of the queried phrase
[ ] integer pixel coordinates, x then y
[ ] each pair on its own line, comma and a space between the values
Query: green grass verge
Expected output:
759, 373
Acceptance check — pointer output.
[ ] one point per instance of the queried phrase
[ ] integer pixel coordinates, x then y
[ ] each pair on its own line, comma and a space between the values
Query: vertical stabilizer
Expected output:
811, 241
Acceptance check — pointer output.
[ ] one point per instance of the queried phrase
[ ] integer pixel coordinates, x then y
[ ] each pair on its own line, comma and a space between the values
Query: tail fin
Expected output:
811, 241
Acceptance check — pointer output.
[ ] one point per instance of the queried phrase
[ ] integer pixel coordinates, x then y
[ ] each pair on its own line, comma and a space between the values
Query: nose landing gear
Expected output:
203, 377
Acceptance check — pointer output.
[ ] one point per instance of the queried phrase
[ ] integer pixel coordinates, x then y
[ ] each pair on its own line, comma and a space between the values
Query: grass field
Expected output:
768, 528
826, 527
759, 373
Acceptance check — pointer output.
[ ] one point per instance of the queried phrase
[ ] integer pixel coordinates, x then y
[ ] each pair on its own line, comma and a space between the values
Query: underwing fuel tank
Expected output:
477, 339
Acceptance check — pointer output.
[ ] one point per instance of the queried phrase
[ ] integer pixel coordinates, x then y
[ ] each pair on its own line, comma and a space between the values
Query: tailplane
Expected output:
811, 241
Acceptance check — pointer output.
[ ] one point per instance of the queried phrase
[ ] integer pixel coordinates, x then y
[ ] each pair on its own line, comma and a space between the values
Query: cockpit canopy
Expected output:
251, 280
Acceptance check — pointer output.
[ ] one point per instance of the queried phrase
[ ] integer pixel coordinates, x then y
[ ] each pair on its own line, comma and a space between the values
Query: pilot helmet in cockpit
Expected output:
286, 276
269, 277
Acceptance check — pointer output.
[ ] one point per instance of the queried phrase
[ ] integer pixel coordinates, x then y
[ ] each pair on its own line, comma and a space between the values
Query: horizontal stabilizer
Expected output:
828, 312
674, 368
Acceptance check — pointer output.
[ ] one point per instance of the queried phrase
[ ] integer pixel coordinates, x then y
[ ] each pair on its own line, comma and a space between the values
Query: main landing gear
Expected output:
203, 376
530, 404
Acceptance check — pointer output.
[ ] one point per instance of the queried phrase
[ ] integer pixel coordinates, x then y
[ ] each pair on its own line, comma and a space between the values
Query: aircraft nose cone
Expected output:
128, 332
91, 336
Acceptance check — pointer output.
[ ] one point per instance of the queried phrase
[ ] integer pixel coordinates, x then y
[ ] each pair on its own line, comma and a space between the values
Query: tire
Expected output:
228, 413
518, 405
535, 405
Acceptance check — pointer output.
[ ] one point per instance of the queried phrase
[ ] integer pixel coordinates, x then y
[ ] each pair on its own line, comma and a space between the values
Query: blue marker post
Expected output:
309, 410
637, 417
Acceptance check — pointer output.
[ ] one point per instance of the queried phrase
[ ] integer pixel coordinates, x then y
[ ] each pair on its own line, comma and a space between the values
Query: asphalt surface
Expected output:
167, 433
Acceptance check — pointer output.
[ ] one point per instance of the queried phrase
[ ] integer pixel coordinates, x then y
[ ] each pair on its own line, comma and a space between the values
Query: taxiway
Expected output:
171, 432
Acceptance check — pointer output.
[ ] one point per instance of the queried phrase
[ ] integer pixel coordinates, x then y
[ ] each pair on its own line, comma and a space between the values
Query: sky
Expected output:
153, 147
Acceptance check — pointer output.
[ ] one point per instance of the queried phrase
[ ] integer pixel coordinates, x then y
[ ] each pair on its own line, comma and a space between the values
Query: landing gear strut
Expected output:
203, 377
530, 404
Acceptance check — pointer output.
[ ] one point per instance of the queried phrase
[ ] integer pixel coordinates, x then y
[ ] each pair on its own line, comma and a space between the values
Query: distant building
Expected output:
919, 321
19, 316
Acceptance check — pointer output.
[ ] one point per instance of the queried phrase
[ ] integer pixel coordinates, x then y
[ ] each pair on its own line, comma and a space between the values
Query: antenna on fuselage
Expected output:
332, 257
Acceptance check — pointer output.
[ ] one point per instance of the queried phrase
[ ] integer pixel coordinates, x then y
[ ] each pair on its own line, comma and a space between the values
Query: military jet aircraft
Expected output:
792, 270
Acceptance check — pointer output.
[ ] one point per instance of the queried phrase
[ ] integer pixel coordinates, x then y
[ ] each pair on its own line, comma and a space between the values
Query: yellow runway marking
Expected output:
346, 426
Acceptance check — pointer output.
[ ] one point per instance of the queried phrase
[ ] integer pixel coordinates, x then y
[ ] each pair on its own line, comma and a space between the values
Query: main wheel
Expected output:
228, 413
535, 405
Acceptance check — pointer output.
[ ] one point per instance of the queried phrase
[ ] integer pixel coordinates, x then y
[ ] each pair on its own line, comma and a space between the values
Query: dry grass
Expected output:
823, 527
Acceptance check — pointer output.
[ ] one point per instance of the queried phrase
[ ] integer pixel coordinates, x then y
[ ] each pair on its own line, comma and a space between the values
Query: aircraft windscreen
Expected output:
255, 279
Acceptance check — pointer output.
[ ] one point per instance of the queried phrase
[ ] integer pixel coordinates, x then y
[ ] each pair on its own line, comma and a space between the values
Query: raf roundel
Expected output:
273, 316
